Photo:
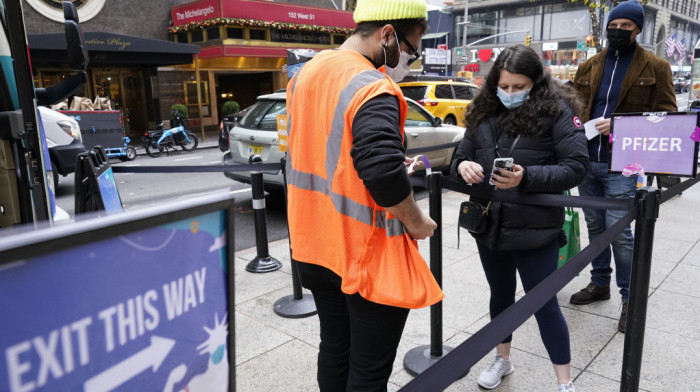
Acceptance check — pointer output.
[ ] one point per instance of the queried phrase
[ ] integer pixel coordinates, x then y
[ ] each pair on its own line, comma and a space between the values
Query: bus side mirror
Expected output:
75, 40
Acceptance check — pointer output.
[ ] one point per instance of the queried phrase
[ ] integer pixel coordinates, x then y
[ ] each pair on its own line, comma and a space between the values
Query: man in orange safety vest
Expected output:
352, 217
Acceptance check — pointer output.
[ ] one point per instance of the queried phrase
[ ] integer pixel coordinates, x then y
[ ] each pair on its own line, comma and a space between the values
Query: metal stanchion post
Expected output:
649, 200
263, 262
418, 359
297, 305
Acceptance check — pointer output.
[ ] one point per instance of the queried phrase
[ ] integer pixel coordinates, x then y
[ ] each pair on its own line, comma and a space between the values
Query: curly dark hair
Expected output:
530, 117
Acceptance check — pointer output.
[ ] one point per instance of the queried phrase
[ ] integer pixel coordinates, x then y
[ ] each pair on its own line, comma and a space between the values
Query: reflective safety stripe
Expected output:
393, 226
335, 138
258, 204
313, 182
345, 205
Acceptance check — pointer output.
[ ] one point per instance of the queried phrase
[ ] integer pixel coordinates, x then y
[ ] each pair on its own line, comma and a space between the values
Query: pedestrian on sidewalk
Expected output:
352, 217
521, 112
622, 78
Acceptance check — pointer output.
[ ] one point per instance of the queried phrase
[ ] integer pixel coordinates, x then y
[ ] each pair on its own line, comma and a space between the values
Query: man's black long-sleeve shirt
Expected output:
378, 152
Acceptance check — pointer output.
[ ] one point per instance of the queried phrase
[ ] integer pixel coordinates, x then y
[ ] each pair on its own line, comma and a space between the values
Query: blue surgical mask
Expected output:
513, 100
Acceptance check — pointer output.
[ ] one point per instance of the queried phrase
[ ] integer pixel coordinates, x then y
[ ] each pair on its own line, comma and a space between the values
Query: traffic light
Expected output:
528, 38
589, 41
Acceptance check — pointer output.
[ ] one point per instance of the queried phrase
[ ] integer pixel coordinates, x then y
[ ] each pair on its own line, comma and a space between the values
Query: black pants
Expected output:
533, 265
358, 337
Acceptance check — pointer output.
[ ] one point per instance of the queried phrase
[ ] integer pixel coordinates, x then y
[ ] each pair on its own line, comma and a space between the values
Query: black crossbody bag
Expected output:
473, 215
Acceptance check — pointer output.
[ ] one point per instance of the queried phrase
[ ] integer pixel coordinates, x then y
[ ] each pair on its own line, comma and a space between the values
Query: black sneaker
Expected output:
590, 294
622, 324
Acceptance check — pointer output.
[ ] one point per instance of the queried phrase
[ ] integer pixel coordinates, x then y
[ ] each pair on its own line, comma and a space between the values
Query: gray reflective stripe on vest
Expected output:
335, 139
288, 164
393, 226
312, 182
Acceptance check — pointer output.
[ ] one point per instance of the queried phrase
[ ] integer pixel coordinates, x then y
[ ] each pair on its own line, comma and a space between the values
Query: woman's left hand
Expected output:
508, 179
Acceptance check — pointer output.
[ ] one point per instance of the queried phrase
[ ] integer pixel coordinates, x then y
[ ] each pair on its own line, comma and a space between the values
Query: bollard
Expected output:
649, 200
297, 305
262, 262
418, 359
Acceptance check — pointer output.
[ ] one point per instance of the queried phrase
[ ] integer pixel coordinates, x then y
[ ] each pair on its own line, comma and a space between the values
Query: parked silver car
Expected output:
256, 133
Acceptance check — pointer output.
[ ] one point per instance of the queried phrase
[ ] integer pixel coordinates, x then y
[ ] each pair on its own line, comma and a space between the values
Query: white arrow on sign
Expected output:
152, 356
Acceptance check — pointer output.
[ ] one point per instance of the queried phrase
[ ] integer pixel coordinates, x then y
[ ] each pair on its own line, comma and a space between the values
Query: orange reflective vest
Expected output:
333, 220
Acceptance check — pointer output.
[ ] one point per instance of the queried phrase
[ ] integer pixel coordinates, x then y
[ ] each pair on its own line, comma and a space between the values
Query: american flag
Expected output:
670, 45
680, 47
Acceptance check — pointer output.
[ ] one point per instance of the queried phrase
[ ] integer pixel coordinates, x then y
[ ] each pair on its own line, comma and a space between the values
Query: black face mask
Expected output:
618, 38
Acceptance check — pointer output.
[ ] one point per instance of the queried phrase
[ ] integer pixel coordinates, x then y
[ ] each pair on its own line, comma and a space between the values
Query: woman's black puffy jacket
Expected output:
555, 160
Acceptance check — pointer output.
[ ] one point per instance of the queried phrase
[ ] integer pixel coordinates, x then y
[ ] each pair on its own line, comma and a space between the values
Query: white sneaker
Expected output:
491, 377
566, 387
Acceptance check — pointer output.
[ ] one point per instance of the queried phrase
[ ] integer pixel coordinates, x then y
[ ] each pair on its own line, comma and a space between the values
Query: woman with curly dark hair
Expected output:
523, 114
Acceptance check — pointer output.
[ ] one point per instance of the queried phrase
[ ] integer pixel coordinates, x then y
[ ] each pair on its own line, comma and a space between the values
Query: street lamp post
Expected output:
466, 25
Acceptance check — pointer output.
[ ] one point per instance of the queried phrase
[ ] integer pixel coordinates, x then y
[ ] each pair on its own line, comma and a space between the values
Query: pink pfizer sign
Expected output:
661, 143
195, 12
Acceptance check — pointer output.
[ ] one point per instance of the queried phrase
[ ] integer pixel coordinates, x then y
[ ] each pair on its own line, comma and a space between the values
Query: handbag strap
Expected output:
569, 209
497, 138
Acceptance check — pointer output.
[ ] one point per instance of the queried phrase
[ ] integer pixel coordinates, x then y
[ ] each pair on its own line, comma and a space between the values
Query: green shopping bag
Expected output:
573, 235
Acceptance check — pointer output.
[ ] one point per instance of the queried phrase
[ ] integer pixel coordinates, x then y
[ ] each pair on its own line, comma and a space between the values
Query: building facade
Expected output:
558, 31
144, 56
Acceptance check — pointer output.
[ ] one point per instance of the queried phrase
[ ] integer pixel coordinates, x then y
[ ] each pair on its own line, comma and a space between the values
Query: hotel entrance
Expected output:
126, 90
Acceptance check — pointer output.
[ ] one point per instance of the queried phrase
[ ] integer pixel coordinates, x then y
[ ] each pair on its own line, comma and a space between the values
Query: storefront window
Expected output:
182, 38
50, 78
234, 33
481, 25
572, 24
197, 35
213, 33
647, 35
258, 34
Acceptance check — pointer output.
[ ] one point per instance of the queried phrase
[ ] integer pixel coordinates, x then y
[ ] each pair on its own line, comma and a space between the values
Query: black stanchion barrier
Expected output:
298, 305
418, 359
95, 189
263, 262
649, 201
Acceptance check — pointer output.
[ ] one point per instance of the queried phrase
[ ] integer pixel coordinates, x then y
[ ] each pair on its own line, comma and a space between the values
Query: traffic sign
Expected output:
459, 51
580, 45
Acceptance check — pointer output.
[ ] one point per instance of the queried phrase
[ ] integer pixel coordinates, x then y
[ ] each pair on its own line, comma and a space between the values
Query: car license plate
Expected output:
254, 149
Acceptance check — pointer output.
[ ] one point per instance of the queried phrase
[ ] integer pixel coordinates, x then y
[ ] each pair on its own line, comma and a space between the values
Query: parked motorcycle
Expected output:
161, 140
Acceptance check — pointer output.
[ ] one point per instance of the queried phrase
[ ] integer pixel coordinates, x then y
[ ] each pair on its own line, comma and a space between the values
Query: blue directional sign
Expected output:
145, 311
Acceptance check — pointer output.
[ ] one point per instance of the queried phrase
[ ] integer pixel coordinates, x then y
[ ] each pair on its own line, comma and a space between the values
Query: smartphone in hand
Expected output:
501, 164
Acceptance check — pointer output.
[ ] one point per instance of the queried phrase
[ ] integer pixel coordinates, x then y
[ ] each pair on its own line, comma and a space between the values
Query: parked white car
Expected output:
63, 139
256, 134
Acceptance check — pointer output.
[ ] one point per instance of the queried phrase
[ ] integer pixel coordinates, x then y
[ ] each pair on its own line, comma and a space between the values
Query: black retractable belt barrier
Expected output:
649, 201
95, 189
263, 262
297, 305
418, 359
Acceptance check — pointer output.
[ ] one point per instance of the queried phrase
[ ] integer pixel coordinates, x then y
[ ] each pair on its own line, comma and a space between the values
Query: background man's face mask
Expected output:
618, 38
401, 70
513, 100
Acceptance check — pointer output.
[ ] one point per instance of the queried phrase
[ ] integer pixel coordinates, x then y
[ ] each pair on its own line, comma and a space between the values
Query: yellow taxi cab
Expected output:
447, 99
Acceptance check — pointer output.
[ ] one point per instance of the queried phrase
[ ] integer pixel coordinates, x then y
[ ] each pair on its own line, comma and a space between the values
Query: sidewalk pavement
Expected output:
279, 354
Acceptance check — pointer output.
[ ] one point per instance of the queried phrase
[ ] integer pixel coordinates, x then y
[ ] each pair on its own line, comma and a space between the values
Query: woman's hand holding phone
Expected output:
504, 179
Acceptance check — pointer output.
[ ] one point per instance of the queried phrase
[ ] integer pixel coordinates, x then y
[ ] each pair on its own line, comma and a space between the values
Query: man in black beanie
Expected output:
623, 78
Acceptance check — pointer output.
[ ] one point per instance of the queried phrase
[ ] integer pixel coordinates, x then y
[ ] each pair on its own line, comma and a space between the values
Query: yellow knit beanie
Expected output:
373, 10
